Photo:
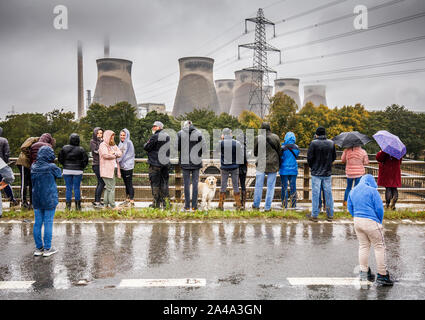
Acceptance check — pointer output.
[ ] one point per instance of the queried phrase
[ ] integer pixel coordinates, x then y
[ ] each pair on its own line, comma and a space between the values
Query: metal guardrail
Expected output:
412, 190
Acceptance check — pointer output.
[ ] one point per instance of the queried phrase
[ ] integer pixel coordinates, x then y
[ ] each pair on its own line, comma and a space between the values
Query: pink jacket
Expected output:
108, 157
355, 158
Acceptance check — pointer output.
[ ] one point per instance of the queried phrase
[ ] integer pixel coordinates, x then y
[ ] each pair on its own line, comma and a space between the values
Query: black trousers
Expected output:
25, 183
127, 176
389, 194
242, 177
158, 177
100, 184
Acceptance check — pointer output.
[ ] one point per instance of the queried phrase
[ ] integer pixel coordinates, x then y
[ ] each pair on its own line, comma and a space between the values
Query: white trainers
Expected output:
38, 252
49, 252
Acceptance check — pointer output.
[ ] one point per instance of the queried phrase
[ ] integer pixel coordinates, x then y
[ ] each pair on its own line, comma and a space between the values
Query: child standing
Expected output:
108, 155
45, 199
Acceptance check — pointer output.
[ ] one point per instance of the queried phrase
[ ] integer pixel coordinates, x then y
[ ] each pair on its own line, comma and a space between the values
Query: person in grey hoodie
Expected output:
96, 140
7, 178
126, 163
4, 155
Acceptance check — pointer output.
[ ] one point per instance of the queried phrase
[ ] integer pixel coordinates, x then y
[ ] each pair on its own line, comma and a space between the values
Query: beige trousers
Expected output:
369, 233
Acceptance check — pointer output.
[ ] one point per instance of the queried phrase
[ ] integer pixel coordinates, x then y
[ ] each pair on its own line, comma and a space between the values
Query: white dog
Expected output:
206, 190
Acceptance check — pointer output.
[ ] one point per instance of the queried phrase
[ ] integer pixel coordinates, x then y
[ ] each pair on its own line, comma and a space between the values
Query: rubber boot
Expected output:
243, 199
78, 205
392, 203
68, 205
221, 201
237, 196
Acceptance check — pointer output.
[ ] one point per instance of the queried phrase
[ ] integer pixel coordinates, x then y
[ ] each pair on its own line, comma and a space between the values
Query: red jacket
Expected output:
389, 174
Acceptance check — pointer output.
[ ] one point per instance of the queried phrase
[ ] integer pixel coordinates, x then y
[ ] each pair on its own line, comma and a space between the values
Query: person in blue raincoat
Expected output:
45, 199
289, 170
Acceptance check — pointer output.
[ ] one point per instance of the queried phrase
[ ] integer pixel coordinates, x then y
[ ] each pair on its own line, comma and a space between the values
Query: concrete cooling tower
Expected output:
196, 88
224, 88
315, 94
290, 87
241, 93
114, 82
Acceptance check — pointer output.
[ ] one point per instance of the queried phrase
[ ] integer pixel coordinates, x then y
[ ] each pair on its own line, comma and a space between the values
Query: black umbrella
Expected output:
351, 139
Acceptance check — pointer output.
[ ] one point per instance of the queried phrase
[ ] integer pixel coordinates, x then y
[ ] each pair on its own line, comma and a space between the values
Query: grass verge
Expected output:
148, 213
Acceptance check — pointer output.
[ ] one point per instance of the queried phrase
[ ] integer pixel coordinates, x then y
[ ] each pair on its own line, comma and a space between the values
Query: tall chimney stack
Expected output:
81, 112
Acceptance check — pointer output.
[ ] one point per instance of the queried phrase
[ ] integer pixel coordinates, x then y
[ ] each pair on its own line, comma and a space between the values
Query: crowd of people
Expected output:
110, 161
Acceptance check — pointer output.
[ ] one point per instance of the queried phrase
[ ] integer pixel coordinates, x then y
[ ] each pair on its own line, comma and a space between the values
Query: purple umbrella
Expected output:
390, 144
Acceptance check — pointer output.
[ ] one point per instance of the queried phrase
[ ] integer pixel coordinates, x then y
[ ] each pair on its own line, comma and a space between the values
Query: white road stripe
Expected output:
14, 285
324, 281
138, 283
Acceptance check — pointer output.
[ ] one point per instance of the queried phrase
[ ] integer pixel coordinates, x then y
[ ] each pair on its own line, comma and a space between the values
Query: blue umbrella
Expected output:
390, 144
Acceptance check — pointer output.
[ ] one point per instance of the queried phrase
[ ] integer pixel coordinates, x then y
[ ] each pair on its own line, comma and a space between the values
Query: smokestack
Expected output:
114, 82
196, 88
315, 94
106, 47
241, 93
290, 87
224, 88
80, 112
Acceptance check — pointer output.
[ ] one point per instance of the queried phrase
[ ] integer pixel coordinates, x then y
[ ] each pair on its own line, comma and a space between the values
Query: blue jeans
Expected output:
285, 195
43, 217
326, 182
258, 192
350, 185
73, 182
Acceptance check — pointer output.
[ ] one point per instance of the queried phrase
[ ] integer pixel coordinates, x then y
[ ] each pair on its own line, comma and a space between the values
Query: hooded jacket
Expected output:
289, 165
153, 147
187, 139
320, 156
389, 174
4, 147
7, 176
355, 158
45, 140
43, 178
108, 157
73, 156
231, 153
273, 151
128, 154
94, 146
24, 158
364, 200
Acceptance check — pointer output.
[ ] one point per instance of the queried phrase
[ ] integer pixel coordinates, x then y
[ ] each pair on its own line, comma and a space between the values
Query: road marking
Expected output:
139, 283
324, 281
14, 285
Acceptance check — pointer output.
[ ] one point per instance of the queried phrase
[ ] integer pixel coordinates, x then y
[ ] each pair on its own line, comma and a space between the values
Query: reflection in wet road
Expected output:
238, 260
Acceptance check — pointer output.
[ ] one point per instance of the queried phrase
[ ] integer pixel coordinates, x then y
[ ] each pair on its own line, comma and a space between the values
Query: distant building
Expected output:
144, 108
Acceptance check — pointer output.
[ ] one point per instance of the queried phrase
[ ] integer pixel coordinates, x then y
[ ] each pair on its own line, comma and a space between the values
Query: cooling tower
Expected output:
196, 88
224, 90
114, 82
315, 94
241, 93
290, 87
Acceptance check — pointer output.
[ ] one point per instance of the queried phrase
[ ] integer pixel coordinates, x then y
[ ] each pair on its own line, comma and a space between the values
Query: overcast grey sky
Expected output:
39, 63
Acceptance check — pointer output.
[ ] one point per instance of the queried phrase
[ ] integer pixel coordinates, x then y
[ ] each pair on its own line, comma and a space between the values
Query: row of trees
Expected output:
284, 116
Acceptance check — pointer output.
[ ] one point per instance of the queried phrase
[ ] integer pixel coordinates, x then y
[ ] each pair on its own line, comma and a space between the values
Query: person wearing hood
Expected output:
268, 162
74, 160
355, 158
95, 142
126, 163
158, 149
108, 159
44, 173
289, 170
4, 155
45, 140
389, 176
365, 205
231, 156
188, 139
24, 165
7, 178
320, 155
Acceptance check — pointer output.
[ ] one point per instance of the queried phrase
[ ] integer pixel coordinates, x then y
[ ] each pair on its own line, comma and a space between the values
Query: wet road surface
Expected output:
223, 260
